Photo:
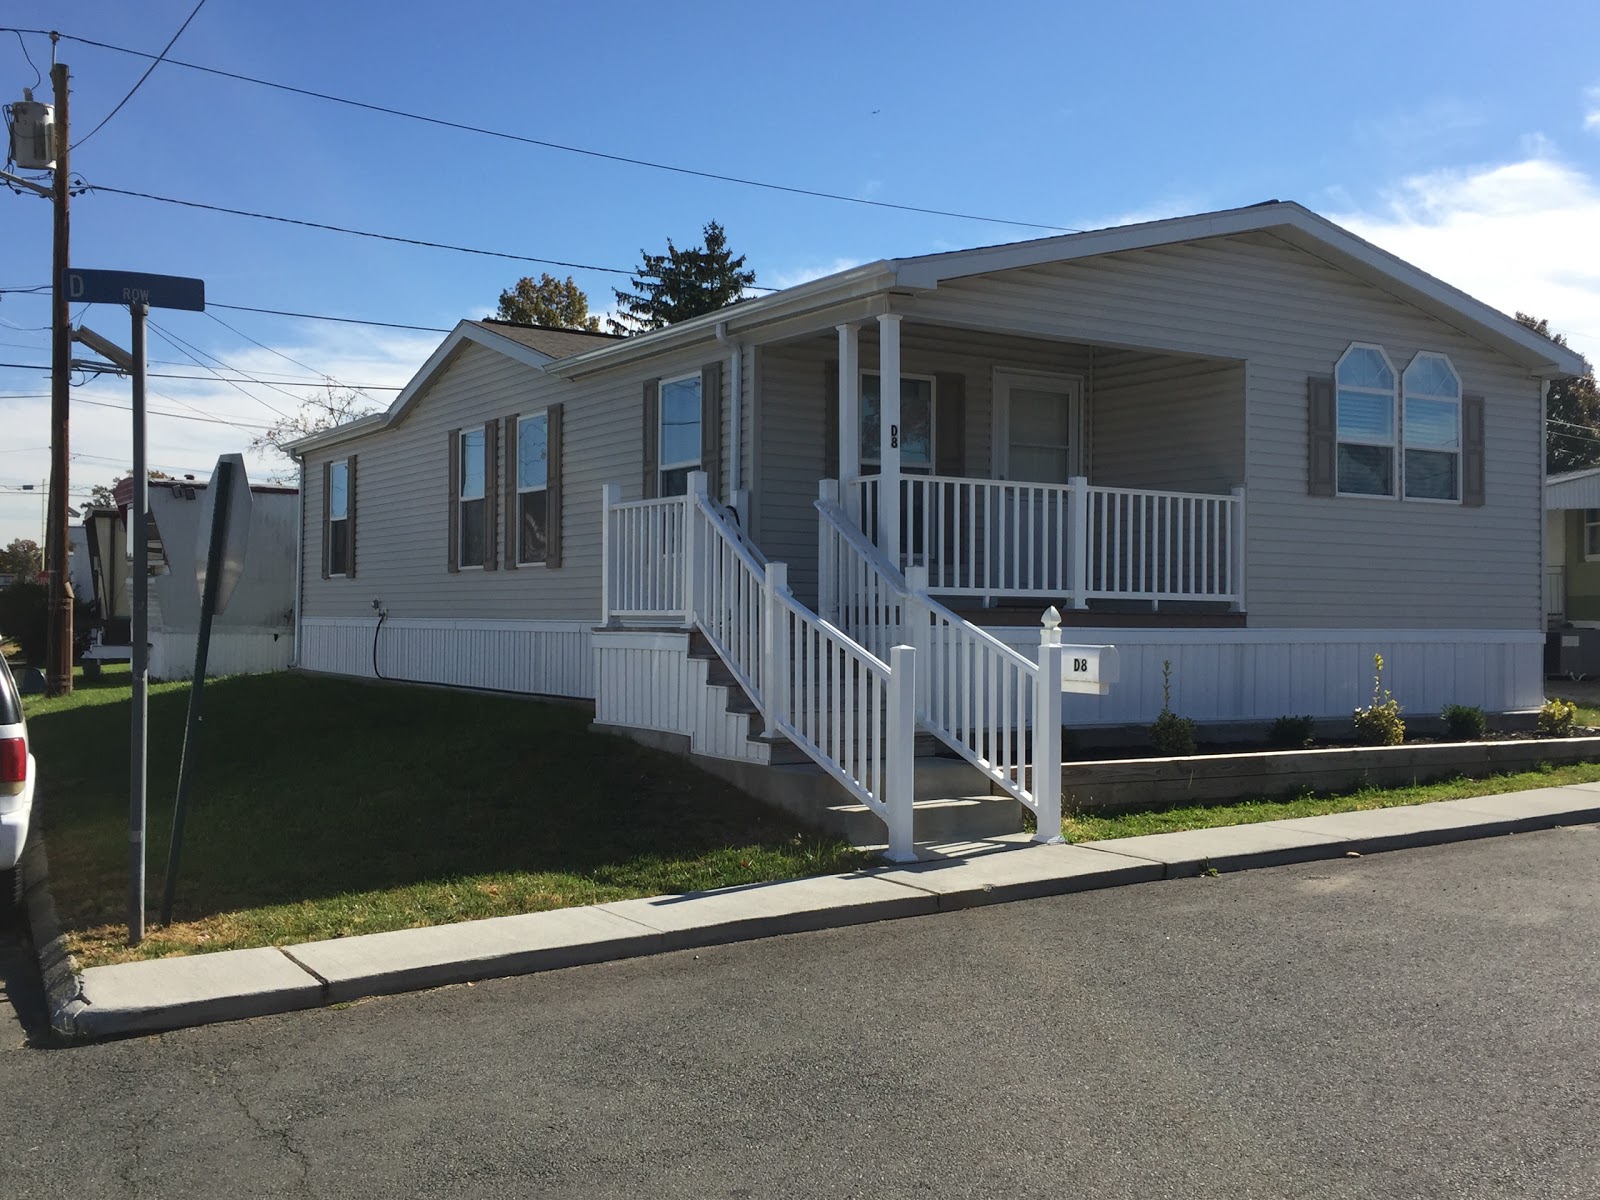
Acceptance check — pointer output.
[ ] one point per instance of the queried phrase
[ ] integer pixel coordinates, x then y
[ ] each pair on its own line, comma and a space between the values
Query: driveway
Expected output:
1415, 1024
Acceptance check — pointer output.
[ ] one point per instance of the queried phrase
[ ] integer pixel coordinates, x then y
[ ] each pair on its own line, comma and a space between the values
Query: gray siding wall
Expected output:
401, 485
1346, 563
1166, 422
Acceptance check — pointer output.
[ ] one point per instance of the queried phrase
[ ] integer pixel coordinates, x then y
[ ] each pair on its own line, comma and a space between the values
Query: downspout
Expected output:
299, 565
735, 347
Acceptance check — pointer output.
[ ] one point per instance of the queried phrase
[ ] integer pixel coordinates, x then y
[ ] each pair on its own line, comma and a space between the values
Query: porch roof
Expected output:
1574, 489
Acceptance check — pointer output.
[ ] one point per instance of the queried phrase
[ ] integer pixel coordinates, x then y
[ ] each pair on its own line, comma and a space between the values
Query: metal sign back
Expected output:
1089, 669
135, 287
236, 495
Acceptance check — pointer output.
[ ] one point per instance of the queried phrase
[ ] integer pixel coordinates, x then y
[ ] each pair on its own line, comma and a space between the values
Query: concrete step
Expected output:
925, 746
951, 800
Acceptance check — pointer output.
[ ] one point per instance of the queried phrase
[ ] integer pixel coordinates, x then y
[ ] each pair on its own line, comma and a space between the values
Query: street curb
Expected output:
58, 970
163, 994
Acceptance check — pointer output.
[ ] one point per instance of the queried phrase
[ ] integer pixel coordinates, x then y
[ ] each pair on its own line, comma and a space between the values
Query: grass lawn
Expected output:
1087, 827
326, 807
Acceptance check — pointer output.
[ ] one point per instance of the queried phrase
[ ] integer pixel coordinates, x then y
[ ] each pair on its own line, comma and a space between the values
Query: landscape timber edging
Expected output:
1116, 784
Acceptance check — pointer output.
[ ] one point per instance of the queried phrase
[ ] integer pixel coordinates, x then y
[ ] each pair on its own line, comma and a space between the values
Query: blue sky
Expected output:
1464, 136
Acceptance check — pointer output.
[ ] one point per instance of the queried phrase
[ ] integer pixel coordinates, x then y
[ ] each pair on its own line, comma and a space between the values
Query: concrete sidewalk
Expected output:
161, 994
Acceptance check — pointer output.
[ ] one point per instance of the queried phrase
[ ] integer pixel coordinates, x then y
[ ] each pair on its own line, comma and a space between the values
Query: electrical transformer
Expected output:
33, 130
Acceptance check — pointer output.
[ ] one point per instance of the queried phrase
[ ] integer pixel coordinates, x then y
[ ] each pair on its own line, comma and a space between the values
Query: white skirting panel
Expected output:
548, 658
232, 652
648, 681
1259, 674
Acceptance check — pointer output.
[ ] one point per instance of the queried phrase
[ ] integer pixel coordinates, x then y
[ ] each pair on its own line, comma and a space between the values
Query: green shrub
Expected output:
1291, 733
1171, 733
1464, 722
1379, 723
1557, 717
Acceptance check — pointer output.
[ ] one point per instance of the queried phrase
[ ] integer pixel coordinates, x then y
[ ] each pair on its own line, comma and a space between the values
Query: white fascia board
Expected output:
1311, 232
465, 331
742, 318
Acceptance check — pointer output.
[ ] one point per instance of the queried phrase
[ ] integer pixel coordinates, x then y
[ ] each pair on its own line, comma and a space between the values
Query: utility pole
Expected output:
59, 656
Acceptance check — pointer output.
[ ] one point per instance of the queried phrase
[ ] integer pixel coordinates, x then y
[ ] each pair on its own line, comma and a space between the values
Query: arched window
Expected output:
1432, 429
1365, 382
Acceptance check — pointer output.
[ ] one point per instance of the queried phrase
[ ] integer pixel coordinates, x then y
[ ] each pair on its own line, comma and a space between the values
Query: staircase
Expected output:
703, 640
952, 800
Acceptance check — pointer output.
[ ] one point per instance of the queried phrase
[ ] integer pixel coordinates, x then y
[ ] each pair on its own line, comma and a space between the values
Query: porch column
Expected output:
849, 409
889, 437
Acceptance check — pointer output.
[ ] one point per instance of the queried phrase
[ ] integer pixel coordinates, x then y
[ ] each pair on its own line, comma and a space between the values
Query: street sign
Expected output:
135, 287
232, 489
1091, 669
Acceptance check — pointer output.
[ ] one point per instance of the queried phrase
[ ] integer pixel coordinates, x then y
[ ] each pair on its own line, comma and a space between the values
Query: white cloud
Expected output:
1520, 235
1591, 109
102, 437
806, 272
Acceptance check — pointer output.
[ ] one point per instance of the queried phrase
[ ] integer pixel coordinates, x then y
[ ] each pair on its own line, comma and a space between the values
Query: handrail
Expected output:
977, 695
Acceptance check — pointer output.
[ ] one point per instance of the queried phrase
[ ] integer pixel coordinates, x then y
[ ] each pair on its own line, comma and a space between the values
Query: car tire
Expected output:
10, 892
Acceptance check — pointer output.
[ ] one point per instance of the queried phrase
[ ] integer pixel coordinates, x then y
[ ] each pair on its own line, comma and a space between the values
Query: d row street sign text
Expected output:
136, 287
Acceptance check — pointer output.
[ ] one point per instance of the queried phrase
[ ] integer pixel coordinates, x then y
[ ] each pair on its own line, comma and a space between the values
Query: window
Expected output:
1431, 429
680, 433
1365, 386
472, 514
533, 480
916, 421
338, 534
1591, 533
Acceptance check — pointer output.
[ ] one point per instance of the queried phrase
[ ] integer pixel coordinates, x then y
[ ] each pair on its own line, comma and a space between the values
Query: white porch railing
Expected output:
852, 711
1555, 594
1073, 541
980, 697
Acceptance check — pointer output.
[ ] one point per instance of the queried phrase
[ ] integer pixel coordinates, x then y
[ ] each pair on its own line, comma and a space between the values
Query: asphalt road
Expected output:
1416, 1024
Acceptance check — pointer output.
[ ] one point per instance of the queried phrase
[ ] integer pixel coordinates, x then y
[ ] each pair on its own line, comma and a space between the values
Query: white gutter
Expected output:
735, 422
299, 566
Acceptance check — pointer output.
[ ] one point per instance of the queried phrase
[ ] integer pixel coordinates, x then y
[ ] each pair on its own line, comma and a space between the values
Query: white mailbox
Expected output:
1091, 669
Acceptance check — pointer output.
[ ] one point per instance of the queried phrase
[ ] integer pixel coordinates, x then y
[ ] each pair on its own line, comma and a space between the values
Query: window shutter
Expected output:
1321, 443
513, 515
350, 518
327, 510
652, 438
950, 428
711, 426
453, 508
491, 494
830, 419
1472, 451
552, 493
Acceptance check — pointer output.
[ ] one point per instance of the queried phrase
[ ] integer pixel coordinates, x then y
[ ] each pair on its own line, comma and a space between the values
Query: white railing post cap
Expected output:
1051, 618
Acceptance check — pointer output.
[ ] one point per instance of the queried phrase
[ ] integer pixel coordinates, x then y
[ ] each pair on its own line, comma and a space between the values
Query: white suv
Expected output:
17, 775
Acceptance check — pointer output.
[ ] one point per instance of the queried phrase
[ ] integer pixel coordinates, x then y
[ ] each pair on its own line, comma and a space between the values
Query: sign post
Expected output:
140, 292
226, 537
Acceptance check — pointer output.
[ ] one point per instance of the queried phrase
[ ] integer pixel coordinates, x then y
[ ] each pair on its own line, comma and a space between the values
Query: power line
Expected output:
155, 62
382, 237
180, 345
286, 358
815, 193
247, 426
359, 387
271, 312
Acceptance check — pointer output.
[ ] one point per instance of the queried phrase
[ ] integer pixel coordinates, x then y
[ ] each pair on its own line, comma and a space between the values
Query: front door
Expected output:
1038, 440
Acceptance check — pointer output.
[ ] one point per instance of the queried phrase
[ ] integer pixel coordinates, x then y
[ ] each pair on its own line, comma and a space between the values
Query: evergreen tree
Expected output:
554, 303
1572, 423
680, 284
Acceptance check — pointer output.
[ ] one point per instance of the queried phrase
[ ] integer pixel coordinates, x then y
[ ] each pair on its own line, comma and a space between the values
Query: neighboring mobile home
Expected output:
1247, 442
1572, 572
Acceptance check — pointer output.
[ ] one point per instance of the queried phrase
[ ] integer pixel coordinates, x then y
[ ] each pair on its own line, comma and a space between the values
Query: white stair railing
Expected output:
853, 712
977, 695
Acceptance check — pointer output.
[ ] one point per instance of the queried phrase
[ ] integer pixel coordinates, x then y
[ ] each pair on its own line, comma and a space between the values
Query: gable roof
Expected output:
571, 353
534, 345
1294, 223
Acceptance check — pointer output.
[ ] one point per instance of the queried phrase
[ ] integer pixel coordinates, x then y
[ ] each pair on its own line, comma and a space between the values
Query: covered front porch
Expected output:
1013, 471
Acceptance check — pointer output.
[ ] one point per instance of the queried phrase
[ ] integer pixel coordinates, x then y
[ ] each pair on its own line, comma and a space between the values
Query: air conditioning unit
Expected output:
33, 133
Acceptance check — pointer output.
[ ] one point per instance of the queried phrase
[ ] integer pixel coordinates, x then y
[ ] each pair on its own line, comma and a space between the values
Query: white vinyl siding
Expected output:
1166, 422
1290, 315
